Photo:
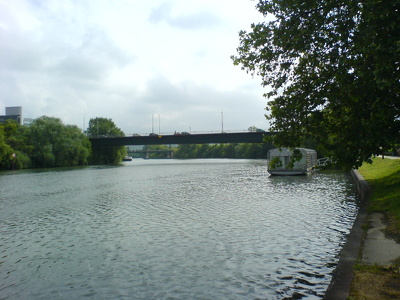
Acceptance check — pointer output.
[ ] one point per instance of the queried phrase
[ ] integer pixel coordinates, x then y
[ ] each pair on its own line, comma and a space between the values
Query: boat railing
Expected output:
323, 162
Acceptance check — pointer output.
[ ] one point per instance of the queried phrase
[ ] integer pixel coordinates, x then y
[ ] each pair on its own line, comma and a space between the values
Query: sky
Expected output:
159, 65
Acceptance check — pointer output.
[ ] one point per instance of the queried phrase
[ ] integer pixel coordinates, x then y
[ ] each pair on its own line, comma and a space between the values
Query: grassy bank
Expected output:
381, 282
383, 175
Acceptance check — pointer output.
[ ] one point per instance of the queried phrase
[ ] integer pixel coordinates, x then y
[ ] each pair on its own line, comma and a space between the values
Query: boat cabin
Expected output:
285, 161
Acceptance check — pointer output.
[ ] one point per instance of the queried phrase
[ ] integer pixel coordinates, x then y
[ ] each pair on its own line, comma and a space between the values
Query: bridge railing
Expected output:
190, 132
323, 162
178, 132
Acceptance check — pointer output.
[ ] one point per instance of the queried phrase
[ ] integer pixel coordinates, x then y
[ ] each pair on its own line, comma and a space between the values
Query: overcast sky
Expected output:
129, 60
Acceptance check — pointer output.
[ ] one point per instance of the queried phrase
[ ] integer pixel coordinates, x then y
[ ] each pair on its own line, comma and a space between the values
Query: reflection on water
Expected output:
158, 229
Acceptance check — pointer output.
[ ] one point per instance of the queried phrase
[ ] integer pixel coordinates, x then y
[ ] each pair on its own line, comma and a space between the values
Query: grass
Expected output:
375, 283
381, 282
383, 175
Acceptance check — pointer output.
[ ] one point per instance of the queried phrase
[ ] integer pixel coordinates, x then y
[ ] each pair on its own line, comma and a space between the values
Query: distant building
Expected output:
12, 113
28, 121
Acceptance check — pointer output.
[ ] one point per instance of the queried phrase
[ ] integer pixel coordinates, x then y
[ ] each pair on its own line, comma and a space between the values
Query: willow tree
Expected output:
332, 68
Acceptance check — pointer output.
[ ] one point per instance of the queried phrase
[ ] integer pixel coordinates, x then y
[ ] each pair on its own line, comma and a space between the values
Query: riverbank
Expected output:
370, 262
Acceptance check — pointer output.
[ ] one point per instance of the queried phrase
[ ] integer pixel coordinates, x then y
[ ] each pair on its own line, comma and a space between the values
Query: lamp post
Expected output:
159, 126
222, 121
152, 122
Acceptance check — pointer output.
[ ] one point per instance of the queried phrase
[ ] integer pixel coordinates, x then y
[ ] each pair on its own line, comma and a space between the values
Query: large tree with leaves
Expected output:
5, 150
103, 127
53, 144
13, 144
333, 70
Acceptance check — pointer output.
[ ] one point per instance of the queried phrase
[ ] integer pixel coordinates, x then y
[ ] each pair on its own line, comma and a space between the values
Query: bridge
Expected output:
209, 138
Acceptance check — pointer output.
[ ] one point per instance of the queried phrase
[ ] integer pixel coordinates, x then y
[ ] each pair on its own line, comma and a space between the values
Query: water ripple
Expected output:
205, 229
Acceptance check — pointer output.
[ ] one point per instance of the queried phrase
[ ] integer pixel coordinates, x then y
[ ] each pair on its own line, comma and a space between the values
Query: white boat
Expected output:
285, 161
127, 158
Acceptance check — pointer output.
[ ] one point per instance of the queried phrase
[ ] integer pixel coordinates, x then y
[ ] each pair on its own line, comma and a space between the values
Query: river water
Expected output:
171, 229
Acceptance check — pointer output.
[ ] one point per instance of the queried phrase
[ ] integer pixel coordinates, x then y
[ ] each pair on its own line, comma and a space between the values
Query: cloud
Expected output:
186, 104
94, 59
127, 61
19, 51
197, 20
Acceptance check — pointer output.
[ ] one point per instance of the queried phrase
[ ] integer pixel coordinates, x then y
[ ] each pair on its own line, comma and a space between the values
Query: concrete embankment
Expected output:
342, 277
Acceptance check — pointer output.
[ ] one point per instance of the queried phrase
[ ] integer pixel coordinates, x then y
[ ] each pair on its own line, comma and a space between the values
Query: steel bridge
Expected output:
209, 138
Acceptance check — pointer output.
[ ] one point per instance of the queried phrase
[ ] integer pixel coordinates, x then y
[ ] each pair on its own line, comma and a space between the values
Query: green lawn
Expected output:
381, 282
383, 175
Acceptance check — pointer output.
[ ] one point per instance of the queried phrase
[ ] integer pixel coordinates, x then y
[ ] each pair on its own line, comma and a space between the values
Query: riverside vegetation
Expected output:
331, 69
47, 142
381, 282
186, 151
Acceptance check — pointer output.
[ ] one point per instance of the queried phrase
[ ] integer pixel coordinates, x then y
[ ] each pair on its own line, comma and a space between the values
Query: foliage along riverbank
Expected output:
381, 282
186, 151
48, 143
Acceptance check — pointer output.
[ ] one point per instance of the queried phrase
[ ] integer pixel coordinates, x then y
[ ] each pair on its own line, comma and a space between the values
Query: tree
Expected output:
14, 138
5, 150
186, 151
73, 147
53, 144
158, 151
223, 150
333, 69
252, 129
252, 150
203, 151
102, 127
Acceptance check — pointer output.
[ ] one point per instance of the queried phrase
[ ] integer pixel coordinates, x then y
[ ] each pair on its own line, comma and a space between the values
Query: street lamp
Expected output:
222, 120
152, 122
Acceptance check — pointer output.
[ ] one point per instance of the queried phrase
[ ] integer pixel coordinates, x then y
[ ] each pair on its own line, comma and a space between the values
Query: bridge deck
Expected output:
217, 138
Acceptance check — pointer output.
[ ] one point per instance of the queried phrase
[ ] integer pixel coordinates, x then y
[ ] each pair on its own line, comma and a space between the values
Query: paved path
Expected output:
378, 249
390, 157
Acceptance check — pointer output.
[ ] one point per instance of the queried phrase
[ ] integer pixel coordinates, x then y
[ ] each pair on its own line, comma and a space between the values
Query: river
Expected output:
171, 229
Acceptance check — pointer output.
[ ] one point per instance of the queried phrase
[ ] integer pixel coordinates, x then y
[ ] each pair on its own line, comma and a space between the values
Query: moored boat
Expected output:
285, 161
